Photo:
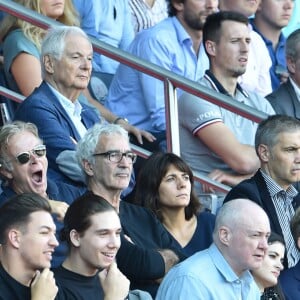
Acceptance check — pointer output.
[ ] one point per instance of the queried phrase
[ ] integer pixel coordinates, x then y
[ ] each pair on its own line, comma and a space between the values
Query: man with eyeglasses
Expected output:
23, 169
147, 251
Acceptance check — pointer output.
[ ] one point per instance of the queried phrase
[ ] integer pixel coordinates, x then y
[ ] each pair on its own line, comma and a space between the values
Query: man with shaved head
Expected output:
240, 242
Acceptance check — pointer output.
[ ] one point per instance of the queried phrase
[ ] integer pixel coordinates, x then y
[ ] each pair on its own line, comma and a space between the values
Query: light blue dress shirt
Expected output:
114, 27
207, 276
139, 97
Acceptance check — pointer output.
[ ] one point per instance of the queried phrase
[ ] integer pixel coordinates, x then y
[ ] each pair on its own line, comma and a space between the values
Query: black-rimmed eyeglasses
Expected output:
24, 157
116, 156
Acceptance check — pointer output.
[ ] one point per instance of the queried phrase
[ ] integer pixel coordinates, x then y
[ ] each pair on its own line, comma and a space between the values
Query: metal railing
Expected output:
171, 82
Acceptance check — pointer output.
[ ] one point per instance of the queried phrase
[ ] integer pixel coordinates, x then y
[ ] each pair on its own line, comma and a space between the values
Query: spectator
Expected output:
53, 106
222, 271
270, 17
22, 43
277, 143
285, 100
147, 13
147, 252
27, 235
92, 230
165, 186
266, 277
22, 48
113, 14
23, 168
220, 141
173, 44
257, 76
289, 278
294, 21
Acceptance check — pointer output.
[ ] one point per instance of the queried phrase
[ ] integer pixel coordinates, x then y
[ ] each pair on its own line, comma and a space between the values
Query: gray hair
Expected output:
6, 133
269, 129
54, 42
87, 145
291, 44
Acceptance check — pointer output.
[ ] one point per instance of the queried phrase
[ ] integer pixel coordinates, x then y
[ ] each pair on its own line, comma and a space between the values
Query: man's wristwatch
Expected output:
118, 119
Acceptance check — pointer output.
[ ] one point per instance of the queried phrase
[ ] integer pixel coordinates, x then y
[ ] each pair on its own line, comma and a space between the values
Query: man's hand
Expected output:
43, 286
59, 208
225, 178
139, 134
115, 285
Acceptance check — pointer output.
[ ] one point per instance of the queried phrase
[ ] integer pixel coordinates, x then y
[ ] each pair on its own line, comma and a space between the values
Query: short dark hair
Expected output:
295, 226
79, 212
150, 178
213, 25
269, 129
16, 212
293, 40
275, 238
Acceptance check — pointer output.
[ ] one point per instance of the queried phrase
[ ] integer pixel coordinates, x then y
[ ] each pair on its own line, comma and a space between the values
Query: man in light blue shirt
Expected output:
173, 44
221, 272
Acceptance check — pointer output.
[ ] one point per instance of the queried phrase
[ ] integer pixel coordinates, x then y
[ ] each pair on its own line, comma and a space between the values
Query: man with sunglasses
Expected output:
107, 160
23, 169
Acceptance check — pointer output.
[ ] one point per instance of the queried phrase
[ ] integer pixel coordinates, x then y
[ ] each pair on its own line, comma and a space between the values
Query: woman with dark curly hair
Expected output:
165, 186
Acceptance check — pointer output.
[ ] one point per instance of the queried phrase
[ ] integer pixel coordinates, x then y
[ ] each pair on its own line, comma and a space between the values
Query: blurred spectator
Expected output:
290, 278
147, 251
22, 43
266, 277
165, 186
270, 17
54, 107
222, 271
27, 238
23, 168
220, 142
173, 44
277, 143
146, 13
113, 25
295, 20
286, 99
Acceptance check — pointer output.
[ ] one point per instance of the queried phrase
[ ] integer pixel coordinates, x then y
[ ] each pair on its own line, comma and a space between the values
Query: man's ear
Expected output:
6, 173
291, 65
210, 47
263, 153
225, 235
88, 167
178, 5
48, 63
75, 238
14, 237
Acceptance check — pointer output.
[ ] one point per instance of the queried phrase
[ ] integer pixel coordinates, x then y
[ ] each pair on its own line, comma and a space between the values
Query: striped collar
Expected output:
217, 86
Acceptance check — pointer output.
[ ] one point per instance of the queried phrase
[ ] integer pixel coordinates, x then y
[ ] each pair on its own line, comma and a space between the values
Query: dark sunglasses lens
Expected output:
23, 158
40, 152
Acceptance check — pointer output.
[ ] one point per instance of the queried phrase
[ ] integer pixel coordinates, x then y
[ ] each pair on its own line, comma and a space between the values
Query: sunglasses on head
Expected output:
24, 157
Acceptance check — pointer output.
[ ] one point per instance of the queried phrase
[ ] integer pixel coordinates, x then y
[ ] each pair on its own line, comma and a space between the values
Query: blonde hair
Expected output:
32, 32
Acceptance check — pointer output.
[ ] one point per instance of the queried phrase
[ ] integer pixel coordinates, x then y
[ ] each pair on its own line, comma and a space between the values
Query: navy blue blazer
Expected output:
256, 190
284, 100
290, 282
55, 127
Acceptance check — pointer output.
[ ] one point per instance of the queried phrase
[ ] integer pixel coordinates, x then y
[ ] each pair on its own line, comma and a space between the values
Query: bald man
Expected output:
240, 242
